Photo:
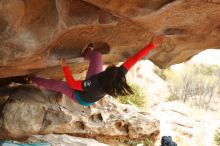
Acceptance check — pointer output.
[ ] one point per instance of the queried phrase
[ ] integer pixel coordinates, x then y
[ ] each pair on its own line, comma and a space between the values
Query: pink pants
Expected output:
95, 67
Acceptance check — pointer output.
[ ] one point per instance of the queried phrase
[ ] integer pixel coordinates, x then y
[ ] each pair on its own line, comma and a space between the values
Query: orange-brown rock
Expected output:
35, 34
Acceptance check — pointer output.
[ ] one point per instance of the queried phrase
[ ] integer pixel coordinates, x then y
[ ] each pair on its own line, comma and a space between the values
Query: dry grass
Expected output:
137, 99
217, 137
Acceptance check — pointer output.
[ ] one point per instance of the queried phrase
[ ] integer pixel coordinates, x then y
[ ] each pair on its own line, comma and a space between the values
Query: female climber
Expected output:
98, 83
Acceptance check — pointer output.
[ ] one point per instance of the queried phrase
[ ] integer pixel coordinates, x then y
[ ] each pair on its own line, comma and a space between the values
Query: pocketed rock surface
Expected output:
30, 111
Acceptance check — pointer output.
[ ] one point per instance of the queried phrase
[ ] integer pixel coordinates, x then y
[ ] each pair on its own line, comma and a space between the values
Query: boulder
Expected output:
29, 111
187, 125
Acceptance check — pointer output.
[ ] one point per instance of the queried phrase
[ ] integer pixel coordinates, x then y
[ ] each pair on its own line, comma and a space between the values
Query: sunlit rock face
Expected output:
35, 34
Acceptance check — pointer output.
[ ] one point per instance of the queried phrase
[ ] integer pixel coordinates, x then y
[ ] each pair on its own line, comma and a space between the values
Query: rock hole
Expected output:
214, 1
125, 110
112, 117
123, 127
79, 125
218, 27
158, 4
106, 18
174, 31
96, 118
3, 24
66, 51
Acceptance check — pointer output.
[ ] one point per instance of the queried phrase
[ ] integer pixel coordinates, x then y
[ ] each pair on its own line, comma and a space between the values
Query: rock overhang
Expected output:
35, 35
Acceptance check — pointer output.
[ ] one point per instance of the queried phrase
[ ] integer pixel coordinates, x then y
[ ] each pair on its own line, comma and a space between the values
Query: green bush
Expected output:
130, 142
217, 137
137, 99
172, 98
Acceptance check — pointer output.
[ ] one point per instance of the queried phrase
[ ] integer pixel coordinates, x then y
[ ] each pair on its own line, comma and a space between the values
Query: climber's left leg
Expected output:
55, 85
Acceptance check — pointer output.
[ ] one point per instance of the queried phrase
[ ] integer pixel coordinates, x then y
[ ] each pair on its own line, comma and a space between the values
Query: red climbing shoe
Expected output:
101, 47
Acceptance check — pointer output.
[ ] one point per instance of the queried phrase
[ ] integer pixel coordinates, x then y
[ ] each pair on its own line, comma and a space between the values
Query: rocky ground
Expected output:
178, 120
189, 126
64, 140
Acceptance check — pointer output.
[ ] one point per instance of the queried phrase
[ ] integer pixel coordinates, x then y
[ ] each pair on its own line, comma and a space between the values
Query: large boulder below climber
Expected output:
28, 111
35, 34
